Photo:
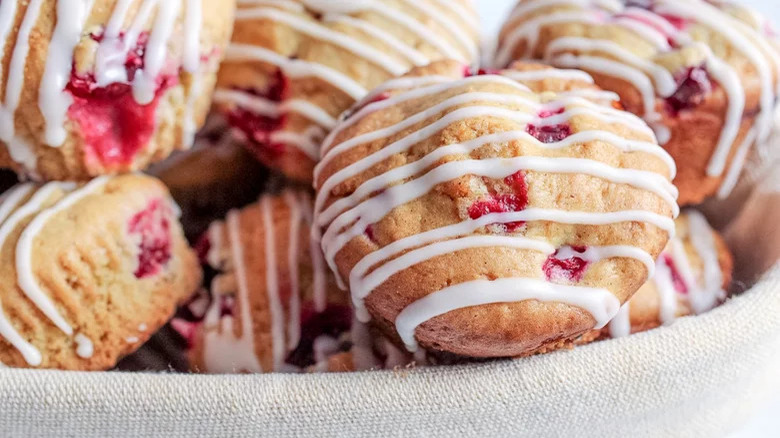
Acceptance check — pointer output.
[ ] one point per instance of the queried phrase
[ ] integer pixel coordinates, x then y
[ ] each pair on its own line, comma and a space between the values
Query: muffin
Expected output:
703, 74
88, 271
486, 216
104, 87
271, 304
692, 276
294, 66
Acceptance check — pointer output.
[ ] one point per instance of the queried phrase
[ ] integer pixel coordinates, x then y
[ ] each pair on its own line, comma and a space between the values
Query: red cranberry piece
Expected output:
677, 280
113, 125
678, 22
468, 71
258, 128
202, 248
769, 30
378, 98
334, 321
693, 87
227, 305
569, 269
153, 227
370, 233
186, 329
549, 133
504, 203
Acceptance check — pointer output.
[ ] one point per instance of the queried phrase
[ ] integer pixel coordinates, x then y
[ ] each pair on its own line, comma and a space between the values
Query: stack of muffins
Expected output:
458, 213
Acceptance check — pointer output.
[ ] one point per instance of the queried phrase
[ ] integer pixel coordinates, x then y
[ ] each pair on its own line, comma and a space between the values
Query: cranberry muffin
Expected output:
271, 304
703, 74
88, 271
109, 86
497, 213
294, 65
691, 277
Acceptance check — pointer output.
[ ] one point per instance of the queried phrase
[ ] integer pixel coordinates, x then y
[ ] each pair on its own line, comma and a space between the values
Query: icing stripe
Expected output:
323, 33
24, 249
272, 286
223, 352
620, 326
268, 108
53, 101
702, 239
600, 303
295, 68
294, 321
409, 52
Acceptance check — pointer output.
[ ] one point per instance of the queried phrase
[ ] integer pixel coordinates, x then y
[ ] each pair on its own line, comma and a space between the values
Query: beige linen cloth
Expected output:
699, 377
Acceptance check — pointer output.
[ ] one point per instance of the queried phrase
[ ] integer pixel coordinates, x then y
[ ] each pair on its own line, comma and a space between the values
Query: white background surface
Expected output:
766, 423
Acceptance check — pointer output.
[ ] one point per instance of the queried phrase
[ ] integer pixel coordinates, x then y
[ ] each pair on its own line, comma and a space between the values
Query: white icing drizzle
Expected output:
295, 68
529, 31
145, 80
314, 30
12, 213
290, 5
85, 349
620, 326
305, 142
324, 346
448, 25
666, 292
600, 303
737, 165
17, 147
9, 202
275, 308
373, 199
467, 16
294, 305
223, 351
653, 80
320, 282
407, 51
397, 16
701, 235
52, 98
193, 20
24, 249
539, 75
